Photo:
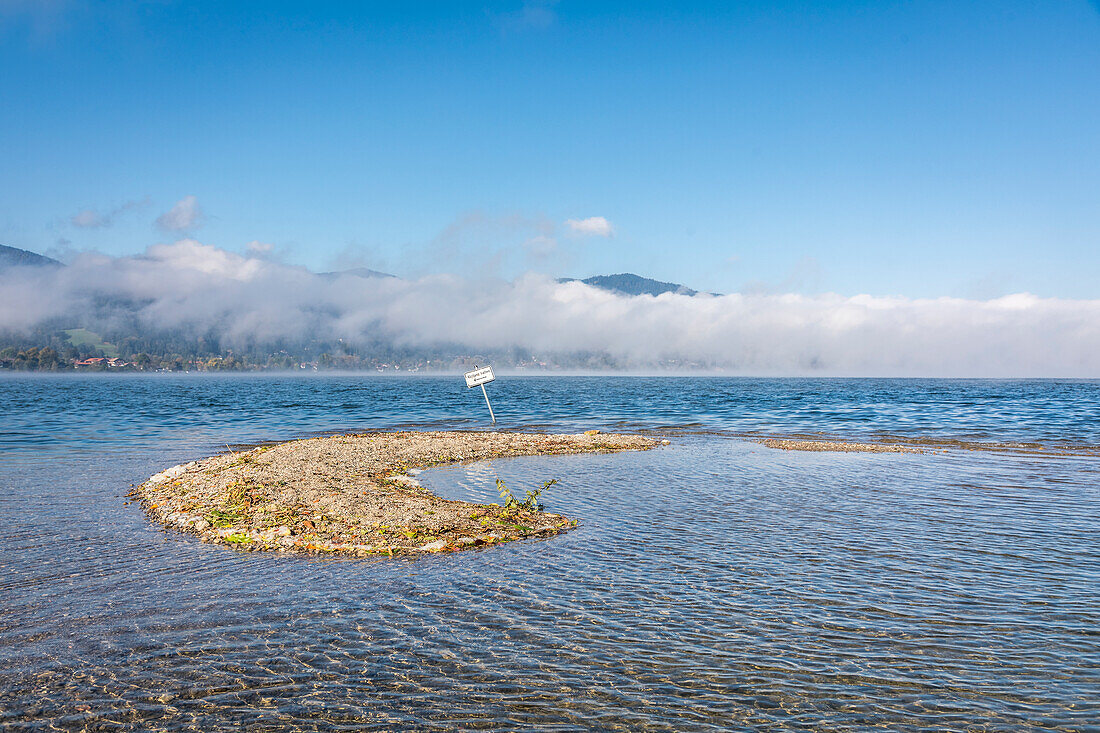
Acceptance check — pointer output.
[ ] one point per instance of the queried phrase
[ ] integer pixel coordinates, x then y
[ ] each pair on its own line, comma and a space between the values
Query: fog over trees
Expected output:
192, 305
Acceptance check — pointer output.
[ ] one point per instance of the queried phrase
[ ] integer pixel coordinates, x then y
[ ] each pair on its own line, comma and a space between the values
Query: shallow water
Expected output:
711, 584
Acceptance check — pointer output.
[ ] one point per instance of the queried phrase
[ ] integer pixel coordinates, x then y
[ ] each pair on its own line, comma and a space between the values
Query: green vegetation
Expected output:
32, 359
57, 346
238, 501
83, 337
221, 518
530, 504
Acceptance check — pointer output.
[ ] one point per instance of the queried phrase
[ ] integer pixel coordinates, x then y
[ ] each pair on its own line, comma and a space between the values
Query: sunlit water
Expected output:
712, 584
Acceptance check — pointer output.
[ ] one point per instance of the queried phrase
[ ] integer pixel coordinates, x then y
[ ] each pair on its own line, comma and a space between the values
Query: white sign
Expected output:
481, 376
484, 375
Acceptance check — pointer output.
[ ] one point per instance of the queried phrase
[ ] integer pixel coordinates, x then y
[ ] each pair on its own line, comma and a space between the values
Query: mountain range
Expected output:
13, 257
623, 283
627, 283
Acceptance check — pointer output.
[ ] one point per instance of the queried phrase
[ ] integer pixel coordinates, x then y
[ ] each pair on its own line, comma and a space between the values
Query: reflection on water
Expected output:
711, 584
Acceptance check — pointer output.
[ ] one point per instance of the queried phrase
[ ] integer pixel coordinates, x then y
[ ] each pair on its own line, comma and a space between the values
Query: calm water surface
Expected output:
712, 584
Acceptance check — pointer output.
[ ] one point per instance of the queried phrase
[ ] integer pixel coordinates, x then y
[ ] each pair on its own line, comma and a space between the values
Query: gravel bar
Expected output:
357, 494
838, 446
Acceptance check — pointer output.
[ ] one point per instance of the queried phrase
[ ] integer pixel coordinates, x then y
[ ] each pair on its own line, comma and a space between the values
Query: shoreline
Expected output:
357, 494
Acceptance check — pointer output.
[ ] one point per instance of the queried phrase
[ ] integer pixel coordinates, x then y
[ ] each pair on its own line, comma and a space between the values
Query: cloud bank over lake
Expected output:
199, 289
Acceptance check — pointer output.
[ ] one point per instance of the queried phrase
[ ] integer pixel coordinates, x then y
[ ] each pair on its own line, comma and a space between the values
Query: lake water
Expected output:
712, 584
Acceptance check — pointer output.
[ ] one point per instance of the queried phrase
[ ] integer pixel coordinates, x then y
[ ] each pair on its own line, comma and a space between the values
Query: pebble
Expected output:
434, 546
167, 475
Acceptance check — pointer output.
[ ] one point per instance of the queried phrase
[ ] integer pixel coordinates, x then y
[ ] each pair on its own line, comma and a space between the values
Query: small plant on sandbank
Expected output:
530, 504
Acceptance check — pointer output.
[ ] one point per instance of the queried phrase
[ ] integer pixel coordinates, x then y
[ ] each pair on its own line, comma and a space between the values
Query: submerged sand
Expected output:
837, 446
357, 494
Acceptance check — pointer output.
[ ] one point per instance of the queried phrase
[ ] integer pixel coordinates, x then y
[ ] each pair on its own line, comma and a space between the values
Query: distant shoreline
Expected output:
522, 374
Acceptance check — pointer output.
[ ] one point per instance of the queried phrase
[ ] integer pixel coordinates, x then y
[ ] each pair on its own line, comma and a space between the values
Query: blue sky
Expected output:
916, 149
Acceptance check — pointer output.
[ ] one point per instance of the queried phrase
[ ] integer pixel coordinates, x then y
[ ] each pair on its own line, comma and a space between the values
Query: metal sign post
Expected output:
479, 377
487, 404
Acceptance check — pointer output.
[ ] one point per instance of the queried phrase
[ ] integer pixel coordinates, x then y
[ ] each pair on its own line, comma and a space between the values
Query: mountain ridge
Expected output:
622, 283
627, 283
363, 272
15, 257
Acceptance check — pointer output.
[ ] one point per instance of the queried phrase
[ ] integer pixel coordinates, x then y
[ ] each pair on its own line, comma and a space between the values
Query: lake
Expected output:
712, 584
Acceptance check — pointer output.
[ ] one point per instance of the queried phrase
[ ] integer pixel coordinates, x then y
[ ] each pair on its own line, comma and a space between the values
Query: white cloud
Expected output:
185, 215
88, 219
196, 288
256, 247
541, 246
187, 254
593, 226
479, 243
92, 219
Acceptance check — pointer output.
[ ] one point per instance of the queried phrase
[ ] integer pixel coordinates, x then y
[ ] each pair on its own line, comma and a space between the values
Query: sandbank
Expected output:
837, 446
357, 494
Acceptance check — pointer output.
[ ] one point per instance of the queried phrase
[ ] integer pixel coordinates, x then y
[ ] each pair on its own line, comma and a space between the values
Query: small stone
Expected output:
591, 432
666, 442
201, 524
436, 546
166, 475
465, 541
283, 531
